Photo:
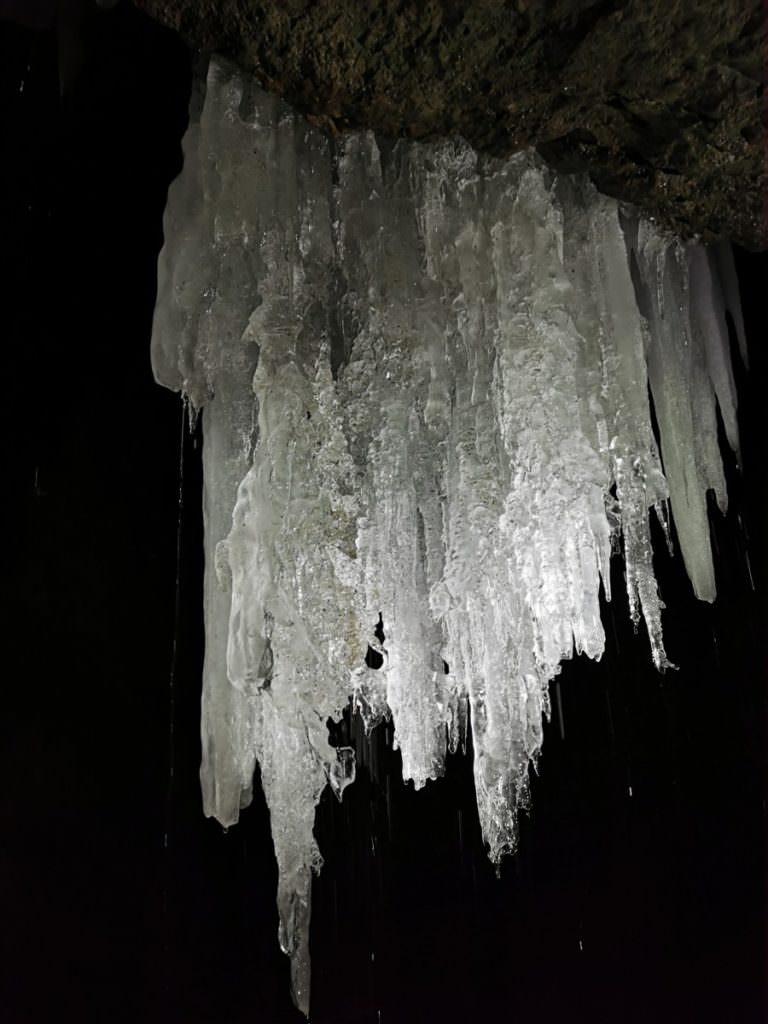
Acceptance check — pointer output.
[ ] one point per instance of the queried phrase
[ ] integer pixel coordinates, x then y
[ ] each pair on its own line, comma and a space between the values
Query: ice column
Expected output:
424, 376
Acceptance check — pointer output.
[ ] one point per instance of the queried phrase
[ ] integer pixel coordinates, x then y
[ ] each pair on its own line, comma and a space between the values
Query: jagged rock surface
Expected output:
660, 100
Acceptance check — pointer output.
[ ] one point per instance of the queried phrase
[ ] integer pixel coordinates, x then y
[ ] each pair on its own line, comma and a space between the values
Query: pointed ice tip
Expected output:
705, 593
300, 983
342, 773
662, 663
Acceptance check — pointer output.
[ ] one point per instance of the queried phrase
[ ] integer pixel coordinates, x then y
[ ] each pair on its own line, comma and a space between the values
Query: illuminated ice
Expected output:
424, 376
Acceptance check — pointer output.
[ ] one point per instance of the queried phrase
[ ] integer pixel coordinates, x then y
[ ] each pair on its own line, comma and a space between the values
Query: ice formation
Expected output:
425, 377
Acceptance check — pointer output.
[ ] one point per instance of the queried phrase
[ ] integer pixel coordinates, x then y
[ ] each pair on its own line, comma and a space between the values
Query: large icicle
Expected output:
425, 377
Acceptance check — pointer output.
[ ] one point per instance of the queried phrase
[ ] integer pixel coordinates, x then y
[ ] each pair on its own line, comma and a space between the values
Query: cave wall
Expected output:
661, 100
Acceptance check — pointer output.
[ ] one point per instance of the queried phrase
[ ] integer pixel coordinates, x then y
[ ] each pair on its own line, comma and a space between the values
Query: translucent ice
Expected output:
425, 378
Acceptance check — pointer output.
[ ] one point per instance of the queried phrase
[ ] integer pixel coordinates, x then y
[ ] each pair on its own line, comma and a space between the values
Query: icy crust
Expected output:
446, 361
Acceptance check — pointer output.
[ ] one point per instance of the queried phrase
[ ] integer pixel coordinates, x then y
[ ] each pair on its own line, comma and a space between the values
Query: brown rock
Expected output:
661, 100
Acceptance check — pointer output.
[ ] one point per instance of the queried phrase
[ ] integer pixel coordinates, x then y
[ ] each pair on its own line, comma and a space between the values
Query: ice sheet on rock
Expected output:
425, 376
391, 309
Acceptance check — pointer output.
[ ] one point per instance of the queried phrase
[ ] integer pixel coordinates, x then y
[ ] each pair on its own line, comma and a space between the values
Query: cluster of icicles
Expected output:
425, 378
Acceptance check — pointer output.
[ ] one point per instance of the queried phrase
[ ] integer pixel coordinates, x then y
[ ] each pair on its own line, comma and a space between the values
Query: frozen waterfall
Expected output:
425, 378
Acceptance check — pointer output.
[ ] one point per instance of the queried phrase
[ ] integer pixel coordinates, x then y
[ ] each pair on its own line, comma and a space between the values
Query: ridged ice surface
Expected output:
426, 377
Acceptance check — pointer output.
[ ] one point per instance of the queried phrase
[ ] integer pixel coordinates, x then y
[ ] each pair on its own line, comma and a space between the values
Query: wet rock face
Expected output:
661, 100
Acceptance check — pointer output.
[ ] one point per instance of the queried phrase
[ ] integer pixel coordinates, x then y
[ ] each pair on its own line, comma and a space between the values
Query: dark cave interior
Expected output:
638, 891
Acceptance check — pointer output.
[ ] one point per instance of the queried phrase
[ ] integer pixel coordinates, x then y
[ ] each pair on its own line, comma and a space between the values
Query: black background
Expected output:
638, 890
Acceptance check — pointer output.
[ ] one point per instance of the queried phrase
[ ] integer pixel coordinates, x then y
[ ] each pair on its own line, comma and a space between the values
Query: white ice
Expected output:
424, 376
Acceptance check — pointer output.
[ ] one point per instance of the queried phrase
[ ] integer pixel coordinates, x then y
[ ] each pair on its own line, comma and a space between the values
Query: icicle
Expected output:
425, 377
707, 312
726, 271
688, 365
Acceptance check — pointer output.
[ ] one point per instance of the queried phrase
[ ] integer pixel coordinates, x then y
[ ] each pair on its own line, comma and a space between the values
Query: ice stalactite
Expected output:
425, 378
